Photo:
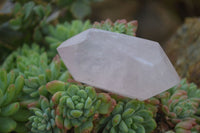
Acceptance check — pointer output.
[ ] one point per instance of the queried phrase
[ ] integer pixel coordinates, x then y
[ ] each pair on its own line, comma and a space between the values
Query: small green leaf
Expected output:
59, 121
116, 120
79, 106
82, 94
44, 103
123, 127
80, 9
10, 109
28, 7
72, 90
16, 23
76, 113
88, 103
70, 103
67, 124
7, 124
19, 84
55, 86
127, 113
91, 92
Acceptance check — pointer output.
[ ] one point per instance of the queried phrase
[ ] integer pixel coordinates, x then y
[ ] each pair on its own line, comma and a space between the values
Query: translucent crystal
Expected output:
118, 63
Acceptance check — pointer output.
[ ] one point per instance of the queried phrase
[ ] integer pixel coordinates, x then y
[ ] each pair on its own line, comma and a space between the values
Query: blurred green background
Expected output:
27, 23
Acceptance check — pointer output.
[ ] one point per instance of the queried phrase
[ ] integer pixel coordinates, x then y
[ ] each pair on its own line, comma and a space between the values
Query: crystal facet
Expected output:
118, 63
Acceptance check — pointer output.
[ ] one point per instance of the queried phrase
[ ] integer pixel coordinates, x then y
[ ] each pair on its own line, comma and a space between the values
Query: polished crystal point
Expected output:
118, 63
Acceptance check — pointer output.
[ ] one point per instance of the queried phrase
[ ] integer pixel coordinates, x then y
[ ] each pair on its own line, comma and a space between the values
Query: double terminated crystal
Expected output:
122, 64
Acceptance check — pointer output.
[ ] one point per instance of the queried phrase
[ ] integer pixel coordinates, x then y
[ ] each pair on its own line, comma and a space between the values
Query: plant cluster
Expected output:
45, 100
119, 26
50, 101
28, 20
181, 106
43, 119
38, 94
78, 106
128, 117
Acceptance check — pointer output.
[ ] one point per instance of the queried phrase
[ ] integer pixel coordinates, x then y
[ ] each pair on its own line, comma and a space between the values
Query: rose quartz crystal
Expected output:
118, 63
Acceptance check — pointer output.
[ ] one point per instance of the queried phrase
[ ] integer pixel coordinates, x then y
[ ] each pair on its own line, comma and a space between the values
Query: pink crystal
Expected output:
118, 63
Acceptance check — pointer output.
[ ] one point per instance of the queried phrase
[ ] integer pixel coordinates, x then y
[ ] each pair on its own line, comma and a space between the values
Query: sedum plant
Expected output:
33, 64
186, 126
127, 117
36, 78
151, 104
28, 20
12, 61
43, 118
119, 26
11, 86
30, 16
78, 106
27, 24
181, 105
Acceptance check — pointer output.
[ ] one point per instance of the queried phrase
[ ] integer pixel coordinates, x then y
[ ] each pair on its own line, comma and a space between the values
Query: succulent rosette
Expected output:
127, 117
36, 78
186, 126
30, 20
181, 106
43, 118
14, 59
33, 64
119, 26
11, 86
78, 106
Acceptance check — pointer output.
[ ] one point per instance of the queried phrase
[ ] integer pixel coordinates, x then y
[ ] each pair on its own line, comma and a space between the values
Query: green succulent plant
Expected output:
127, 117
119, 26
33, 64
32, 17
36, 78
11, 86
28, 24
151, 104
181, 103
29, 20
25, 24
186, 126
189, 125
43, 118
78, 106
26, 52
